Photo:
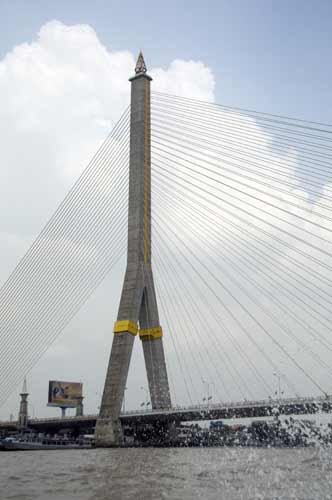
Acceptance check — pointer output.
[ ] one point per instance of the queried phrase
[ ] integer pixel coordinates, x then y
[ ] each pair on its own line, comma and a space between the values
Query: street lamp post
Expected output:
279, 392
209, 396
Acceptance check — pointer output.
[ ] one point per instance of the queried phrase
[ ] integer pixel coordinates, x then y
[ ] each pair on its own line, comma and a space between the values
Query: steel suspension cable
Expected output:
195, 221
159, 171
292, 129
193, 168
239, 110
179, 134
70, 198
167, 264
253, 318
161, 264
46, 284
62, 205
195, 310
277, 140
313, 332
235, 319
167, 317
257, 217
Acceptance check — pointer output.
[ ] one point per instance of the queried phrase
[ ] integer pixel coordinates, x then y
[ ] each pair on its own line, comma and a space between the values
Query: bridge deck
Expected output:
243, 409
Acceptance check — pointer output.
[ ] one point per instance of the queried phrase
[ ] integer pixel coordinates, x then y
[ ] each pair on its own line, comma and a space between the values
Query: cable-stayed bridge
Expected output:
231, 209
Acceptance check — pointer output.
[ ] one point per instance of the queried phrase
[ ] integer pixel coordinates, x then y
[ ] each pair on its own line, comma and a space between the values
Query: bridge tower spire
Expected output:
23, 412
138, 309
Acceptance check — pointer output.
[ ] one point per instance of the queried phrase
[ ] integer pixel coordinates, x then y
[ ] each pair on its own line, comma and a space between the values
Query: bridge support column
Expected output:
138, 310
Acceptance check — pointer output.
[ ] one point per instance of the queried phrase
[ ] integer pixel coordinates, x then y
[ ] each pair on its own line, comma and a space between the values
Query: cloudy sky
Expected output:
63, 84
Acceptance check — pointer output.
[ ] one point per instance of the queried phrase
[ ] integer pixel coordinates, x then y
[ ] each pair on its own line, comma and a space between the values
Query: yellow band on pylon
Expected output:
125, 326
151, 333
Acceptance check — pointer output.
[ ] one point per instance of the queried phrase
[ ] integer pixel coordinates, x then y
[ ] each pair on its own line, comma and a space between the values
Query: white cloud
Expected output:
186, 78
61, 95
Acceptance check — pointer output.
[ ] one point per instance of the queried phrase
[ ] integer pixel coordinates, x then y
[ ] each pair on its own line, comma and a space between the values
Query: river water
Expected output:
168, 473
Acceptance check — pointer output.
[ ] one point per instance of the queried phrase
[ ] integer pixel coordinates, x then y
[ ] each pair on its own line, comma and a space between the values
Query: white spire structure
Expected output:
23, 412
24, 387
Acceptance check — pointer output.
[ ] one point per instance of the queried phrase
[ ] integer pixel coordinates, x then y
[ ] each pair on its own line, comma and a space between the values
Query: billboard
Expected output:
64, 394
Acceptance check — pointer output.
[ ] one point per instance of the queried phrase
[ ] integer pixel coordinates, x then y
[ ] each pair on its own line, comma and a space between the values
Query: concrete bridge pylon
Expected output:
138, 309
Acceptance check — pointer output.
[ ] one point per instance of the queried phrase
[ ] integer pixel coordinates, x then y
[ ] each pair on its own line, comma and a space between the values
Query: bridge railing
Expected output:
52, 419
237, 404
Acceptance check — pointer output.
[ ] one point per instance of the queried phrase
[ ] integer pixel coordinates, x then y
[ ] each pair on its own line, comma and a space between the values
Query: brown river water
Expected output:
168, 473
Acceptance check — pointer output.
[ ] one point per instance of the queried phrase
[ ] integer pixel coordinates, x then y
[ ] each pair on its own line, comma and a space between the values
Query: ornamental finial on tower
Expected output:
24, 387
140, 68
